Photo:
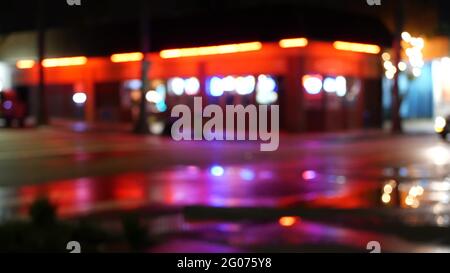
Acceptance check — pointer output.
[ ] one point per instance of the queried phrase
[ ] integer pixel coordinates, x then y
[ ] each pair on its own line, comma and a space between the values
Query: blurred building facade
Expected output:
320, 86
328, 77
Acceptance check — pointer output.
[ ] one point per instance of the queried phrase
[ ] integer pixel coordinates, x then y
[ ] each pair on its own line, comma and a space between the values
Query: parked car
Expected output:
12, 109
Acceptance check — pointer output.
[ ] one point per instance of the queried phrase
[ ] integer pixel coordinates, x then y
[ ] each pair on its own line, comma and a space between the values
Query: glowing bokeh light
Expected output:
295, 42
288, 221
217, 171
329, 85
79, 98
357, 47
215, 87
245, 85
309, 175
312, 84
60, 62
25, 64
341, 86
127, 57
210, 50
229, 84
386, 198
440, 155
176, 86
153, 97
192, 86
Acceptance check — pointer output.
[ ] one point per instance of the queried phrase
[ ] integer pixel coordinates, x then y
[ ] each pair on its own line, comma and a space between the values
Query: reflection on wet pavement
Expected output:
405, 194
216, 186
425, 201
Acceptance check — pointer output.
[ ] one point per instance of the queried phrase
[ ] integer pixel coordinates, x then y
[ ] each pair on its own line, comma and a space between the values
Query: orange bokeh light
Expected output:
288, 221
355, 47
210, 50
68, 61
296, 42
25, 64
127, 57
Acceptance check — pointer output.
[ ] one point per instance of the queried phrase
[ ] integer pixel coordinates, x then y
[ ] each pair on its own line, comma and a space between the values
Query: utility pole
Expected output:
142, 126
397, 127
41, 111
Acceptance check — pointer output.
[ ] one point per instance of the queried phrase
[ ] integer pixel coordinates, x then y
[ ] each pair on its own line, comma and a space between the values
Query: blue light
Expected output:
134, 84
161, 106
217, 171
247, 175
266, 84
309, 175
216, 88
8, 105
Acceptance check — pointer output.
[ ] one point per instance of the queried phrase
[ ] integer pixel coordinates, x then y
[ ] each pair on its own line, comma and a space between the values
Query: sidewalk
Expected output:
414, 126
411, 127
82, 126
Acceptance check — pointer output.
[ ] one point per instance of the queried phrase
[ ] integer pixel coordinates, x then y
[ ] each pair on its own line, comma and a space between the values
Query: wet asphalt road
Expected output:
316, 193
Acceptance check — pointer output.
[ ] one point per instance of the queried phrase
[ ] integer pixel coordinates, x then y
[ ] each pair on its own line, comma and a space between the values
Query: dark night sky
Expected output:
99, 24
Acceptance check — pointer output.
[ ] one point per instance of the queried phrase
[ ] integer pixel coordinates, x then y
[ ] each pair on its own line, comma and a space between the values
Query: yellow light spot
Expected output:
297, 42
386, 56
210, 50
127, 57
25, 64
356, 47
386, 198
288, 221
388, 189
69, 61
409, 201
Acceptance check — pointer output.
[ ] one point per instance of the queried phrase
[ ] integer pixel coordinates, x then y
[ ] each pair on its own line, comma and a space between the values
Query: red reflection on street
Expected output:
130, 191
190, 185
68, 196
